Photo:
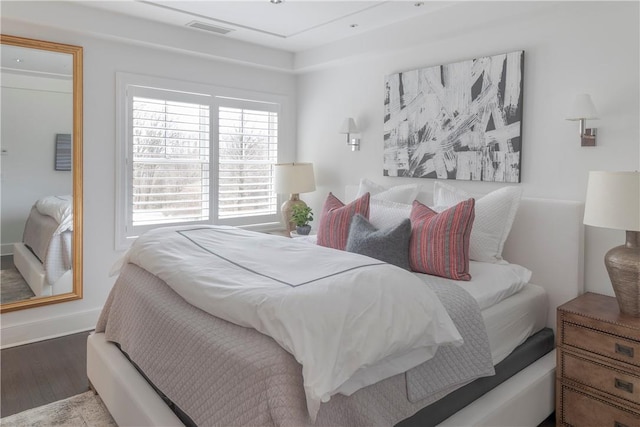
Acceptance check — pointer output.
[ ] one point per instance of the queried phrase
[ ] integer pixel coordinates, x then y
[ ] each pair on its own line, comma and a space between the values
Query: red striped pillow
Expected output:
439, 243
335, 220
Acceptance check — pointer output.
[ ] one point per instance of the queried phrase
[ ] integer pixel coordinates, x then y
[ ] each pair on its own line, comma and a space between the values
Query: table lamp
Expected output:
613, 201
293, 179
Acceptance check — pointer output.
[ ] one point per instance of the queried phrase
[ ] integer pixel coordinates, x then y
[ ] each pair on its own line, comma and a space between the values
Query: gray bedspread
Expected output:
38, 231
221, 374
454, 366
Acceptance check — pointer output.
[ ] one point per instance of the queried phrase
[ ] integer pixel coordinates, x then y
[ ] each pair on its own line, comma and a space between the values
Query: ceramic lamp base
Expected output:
287, 210
623, 266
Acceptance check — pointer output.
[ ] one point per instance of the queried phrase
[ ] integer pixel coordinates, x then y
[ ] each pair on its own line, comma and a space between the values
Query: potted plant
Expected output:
302, 215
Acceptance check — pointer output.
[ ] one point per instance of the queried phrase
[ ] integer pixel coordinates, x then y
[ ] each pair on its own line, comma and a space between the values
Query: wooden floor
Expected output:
6, 261
35, 374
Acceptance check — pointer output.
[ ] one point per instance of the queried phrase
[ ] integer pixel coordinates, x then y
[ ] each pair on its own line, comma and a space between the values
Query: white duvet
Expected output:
59, 208
490, 283
334, 311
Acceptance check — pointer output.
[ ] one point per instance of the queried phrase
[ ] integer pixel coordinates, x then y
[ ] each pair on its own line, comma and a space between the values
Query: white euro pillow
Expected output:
385, 214
495, 213
399, 194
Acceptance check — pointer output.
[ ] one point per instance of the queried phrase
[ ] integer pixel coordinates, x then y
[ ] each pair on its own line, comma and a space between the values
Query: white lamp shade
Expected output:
613, 200
294, 178
348, 126
582, 108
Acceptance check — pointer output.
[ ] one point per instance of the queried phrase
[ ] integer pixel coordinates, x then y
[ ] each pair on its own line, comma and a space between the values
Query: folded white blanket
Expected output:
59, 208
335, 311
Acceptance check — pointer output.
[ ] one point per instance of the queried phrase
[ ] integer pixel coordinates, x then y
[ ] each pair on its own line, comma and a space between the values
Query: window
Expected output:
170, 161
193, 158
247, 151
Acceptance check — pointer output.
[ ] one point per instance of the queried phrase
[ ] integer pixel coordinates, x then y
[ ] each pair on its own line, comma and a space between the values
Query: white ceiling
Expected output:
22, 60
292, 25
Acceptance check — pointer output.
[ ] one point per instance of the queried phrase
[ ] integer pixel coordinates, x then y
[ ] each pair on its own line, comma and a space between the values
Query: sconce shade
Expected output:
349, 126
582, 108
613, 200
294, 178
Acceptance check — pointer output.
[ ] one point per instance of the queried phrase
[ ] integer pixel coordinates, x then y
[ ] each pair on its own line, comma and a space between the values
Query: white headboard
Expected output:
547, 237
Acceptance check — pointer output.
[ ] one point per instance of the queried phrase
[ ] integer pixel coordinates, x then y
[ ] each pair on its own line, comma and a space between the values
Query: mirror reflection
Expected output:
36, 175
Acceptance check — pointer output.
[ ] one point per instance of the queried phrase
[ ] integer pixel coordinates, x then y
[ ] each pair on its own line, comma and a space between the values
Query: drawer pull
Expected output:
618, 424
624, 350
624, 385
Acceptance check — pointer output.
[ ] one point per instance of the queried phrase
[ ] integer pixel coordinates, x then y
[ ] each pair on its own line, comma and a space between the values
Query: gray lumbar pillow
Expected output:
389, 245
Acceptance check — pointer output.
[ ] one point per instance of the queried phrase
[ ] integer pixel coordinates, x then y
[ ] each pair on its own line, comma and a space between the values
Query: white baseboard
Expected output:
6, 249
51, 327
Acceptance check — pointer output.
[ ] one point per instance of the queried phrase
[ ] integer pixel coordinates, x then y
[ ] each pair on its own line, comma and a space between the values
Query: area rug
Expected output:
13, 287
83, 410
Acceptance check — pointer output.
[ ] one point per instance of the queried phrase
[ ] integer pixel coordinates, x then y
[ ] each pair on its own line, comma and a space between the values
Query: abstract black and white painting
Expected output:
456, 121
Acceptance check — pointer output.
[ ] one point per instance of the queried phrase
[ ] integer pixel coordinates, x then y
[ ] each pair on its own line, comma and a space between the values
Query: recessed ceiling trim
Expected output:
338, 19
35, 73
246, 27
175, 9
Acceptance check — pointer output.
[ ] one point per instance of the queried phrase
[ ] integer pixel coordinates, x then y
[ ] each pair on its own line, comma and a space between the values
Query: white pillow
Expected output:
495, 213
384, 214
399, 194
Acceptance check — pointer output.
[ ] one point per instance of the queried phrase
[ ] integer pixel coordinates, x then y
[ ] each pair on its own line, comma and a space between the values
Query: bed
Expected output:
44, 257
526, 398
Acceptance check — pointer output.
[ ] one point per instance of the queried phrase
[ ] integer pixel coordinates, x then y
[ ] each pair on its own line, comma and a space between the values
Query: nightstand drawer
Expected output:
582, 409
601, 343
601, 377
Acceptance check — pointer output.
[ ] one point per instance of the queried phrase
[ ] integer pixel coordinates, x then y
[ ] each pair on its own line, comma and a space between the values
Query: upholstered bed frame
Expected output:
547, 238
34, 273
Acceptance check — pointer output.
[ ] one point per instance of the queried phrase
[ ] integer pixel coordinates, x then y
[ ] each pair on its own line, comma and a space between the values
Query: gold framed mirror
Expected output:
41, 166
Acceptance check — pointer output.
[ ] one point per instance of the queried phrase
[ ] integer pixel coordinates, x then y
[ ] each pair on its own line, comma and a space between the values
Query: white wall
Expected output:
102, 59
570, 47
27, 161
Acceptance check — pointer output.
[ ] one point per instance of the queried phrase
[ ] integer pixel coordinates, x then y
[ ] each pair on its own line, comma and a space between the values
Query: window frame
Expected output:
189, 91
221, 101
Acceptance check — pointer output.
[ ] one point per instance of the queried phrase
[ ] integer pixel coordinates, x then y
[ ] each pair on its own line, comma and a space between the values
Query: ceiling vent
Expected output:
208, 27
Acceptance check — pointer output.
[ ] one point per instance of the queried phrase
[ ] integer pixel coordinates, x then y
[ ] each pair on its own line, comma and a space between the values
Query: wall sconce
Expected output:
349, 127
582, 110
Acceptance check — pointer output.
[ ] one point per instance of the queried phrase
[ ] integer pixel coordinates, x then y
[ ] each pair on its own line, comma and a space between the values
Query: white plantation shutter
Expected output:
247, 151
197, 158
170, 159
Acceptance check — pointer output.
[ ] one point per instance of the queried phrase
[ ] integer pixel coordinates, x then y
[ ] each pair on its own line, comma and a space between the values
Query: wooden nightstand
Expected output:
598, 364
